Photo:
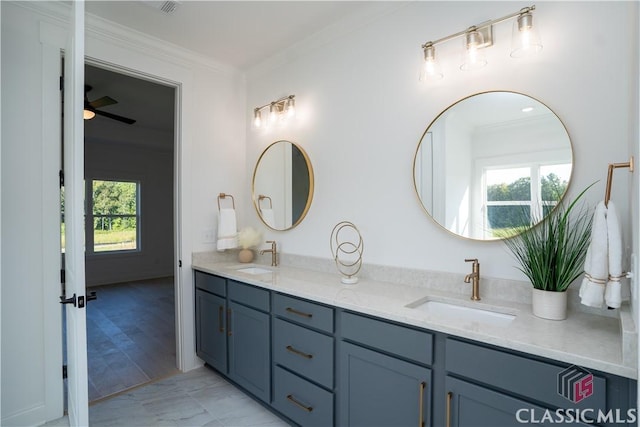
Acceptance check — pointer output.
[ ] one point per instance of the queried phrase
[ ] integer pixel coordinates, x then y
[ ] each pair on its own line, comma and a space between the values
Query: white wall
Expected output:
153, 169
363, 111
210, 159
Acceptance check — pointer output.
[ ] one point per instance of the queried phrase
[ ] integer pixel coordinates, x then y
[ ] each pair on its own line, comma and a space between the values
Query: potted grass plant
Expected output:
552, 254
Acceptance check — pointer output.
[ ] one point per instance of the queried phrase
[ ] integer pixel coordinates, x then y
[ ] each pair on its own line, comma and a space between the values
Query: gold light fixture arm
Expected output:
484, 28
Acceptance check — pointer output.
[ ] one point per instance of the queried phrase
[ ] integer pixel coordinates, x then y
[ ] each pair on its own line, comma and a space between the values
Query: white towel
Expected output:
268, 217
227, 229
613, 291
596, 264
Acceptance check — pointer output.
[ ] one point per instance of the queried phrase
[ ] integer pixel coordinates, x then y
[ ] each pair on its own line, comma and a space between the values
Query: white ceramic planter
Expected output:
549, 305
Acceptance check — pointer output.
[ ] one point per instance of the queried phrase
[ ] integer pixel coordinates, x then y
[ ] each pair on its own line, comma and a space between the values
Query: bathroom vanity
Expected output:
320, 353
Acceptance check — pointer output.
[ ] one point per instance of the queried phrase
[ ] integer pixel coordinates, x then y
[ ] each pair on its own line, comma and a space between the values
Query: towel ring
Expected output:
262, 197
224, 196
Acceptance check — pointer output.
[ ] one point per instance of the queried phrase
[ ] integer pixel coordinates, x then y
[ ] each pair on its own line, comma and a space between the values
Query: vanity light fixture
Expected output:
279, 110
525, 41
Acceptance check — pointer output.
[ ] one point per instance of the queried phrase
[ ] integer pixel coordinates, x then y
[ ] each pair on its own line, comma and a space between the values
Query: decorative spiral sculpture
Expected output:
346, 253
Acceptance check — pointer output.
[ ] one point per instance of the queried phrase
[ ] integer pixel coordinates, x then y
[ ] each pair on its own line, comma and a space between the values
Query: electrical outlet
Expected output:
208, 236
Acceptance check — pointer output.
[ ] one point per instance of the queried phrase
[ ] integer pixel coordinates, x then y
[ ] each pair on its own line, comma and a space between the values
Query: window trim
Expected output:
89, 217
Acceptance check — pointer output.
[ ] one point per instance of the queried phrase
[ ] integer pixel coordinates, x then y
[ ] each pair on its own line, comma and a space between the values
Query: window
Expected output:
519, 196
114, 215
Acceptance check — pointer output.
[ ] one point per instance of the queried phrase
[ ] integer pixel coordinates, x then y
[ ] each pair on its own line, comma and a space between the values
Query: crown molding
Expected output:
125, 37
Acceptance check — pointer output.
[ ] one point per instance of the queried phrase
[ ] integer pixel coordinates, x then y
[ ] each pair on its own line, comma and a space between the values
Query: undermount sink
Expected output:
463, 312
253, 270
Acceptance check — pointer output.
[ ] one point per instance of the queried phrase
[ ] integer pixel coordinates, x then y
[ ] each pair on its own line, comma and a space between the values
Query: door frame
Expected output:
177, 220
101, 48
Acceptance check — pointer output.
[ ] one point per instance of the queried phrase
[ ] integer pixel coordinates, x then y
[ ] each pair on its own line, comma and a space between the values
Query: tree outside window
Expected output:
115, 215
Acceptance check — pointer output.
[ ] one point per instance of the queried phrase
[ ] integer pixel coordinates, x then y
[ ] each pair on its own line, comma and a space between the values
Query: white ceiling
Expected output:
237, 33
240, 34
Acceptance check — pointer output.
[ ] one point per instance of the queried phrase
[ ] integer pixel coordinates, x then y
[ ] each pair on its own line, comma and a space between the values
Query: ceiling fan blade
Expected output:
115, 117
103, 102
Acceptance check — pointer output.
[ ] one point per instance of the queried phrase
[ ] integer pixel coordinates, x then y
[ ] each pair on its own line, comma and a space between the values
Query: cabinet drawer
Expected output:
249, 295
520, 375
403, 341
303, 402
304, 351
211, 283
303, 312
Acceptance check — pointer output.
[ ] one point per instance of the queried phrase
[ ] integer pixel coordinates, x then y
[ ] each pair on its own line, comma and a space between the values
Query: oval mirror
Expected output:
282, 185
492, 165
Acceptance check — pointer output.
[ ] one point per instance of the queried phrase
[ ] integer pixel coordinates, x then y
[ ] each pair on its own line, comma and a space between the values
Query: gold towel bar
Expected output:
612, 166
224, 196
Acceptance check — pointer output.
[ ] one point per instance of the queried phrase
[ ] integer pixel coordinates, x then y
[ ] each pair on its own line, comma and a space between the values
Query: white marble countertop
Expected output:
588, 340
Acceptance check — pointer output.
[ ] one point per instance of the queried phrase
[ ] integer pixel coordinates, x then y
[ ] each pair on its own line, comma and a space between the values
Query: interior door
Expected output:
77, 379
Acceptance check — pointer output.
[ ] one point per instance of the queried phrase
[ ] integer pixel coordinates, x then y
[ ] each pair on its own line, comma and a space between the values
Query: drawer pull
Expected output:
299, 313
293, 400
299, 353
421, 404
449, 397
220, 320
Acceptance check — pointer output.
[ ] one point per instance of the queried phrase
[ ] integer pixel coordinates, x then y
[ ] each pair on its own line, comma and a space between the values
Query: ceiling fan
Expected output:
91, 108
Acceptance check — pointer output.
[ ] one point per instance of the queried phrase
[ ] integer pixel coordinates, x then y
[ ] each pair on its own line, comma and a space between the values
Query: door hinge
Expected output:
61, 176
61, 82
180, 263
64, 372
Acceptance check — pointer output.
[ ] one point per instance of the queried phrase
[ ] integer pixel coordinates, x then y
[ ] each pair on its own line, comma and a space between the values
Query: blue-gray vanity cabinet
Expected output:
210, 310
233, 331
471, 405
383, 380
487, 386
249, 349
303, 361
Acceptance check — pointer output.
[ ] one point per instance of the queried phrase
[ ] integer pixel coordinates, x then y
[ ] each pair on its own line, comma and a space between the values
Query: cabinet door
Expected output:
475, 406
249, 343
211, 338
379, 390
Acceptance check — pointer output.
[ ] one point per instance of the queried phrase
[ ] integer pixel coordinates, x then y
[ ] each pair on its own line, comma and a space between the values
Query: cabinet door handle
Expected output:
449, 397
229, 333
220, 320
423, 385
299, 353
299, 313
293, 400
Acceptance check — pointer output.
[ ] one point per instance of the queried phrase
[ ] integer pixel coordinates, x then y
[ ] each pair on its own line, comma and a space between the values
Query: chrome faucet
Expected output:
475, 277
274, 253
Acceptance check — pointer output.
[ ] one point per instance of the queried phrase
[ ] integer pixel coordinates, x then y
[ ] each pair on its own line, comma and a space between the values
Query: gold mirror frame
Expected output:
557, 142
260, 199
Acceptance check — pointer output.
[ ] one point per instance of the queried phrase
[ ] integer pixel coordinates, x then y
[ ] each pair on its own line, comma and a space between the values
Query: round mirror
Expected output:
492, 165
282, 185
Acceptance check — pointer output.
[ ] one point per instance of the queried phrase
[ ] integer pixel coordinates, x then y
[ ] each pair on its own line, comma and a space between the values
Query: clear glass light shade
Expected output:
431, 69
88, 114
525, 40
257, 118
291, 107
273, 112
474, 58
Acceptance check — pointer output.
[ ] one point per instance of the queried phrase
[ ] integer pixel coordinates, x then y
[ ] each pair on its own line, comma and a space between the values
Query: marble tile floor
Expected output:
196, 398
130, 335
